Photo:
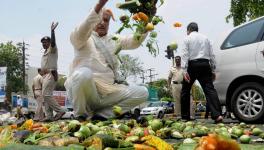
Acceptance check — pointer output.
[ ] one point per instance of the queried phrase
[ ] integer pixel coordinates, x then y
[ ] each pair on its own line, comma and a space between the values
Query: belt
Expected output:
176, 82
199, 60
37, 89
46, 71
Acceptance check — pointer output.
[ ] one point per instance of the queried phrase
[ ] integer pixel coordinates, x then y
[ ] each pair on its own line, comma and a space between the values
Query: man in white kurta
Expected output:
91, 83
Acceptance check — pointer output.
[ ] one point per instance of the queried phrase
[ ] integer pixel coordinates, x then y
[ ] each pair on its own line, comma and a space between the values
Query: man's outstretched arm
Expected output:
81, 33
53, 39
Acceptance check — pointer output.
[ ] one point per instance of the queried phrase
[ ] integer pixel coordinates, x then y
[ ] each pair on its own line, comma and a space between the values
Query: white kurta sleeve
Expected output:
81, 34
129, 42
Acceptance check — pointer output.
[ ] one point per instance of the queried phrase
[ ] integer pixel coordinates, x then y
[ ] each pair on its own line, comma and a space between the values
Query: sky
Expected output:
30, 20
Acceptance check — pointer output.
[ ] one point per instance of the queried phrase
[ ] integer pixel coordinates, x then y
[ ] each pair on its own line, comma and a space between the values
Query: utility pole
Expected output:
24, 67
143, 77
151, 75
23, 48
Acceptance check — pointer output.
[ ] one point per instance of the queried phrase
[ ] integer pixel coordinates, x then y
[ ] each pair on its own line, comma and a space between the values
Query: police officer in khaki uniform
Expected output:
37, 91
50, 76
175, 83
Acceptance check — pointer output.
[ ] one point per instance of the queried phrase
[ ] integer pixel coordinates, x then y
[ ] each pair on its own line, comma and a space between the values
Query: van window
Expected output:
250, 33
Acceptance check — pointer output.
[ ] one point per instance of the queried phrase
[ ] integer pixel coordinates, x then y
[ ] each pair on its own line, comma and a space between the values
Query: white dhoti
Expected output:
82, 90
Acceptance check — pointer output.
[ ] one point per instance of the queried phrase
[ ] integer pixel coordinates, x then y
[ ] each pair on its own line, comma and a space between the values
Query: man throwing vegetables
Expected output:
93, 83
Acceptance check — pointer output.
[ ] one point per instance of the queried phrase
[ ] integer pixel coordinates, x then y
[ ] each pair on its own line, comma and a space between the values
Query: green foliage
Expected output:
244, 10
130, 66
167, 99
162, 87
60, 84
11, 57
197, 93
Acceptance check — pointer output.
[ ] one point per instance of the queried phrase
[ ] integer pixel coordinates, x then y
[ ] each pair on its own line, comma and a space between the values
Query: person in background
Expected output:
19, 107
7, 104
49, 66
198, 62
37, 92
175, 84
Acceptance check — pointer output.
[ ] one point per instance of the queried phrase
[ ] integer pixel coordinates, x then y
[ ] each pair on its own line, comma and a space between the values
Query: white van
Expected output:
240, 70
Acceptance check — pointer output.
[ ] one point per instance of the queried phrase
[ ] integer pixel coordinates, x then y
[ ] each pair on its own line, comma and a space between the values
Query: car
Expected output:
135, 112
69, 114
240, 70
200, 107
155, 108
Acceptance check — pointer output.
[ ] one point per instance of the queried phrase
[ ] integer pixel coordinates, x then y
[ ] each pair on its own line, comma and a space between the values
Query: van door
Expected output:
260, 56
239, 49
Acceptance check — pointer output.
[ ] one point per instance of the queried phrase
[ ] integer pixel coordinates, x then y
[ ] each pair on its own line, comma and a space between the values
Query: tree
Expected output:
11, 57
162, 86
245, 10
60, 84
197, 93
130, 66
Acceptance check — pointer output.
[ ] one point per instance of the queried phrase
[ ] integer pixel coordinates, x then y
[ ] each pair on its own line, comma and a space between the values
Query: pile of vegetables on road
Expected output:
150, 134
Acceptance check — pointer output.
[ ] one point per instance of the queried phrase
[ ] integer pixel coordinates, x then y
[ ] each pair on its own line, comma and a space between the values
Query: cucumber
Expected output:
76, 147
129, 4
125, 144
108, 140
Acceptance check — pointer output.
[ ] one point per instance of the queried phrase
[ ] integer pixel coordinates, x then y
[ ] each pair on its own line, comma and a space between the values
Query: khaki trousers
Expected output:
39, 115
176, 93
49, 102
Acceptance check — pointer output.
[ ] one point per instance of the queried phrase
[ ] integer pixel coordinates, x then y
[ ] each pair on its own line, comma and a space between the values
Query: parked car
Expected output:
155, 108
134, 112
240, 70
200, 107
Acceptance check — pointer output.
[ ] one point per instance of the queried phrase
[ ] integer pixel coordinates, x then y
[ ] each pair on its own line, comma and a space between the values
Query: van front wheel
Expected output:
248, 102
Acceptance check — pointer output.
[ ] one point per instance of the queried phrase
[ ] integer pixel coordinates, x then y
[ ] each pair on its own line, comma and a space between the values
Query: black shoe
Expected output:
58, 116
136, 114
98, 118
219, 119
46, 120
81, 118
187, 119
124, 115
142, 120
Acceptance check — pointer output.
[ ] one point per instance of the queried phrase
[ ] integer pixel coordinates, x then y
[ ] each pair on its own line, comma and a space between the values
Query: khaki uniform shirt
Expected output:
49, 59
176, 74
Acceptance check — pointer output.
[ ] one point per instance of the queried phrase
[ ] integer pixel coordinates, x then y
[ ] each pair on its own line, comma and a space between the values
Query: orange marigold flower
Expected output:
177, 24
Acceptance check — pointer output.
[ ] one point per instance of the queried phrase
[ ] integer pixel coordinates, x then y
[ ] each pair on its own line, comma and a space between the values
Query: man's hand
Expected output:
54, 26
187, 77
100, 5
213, 76
102, 2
